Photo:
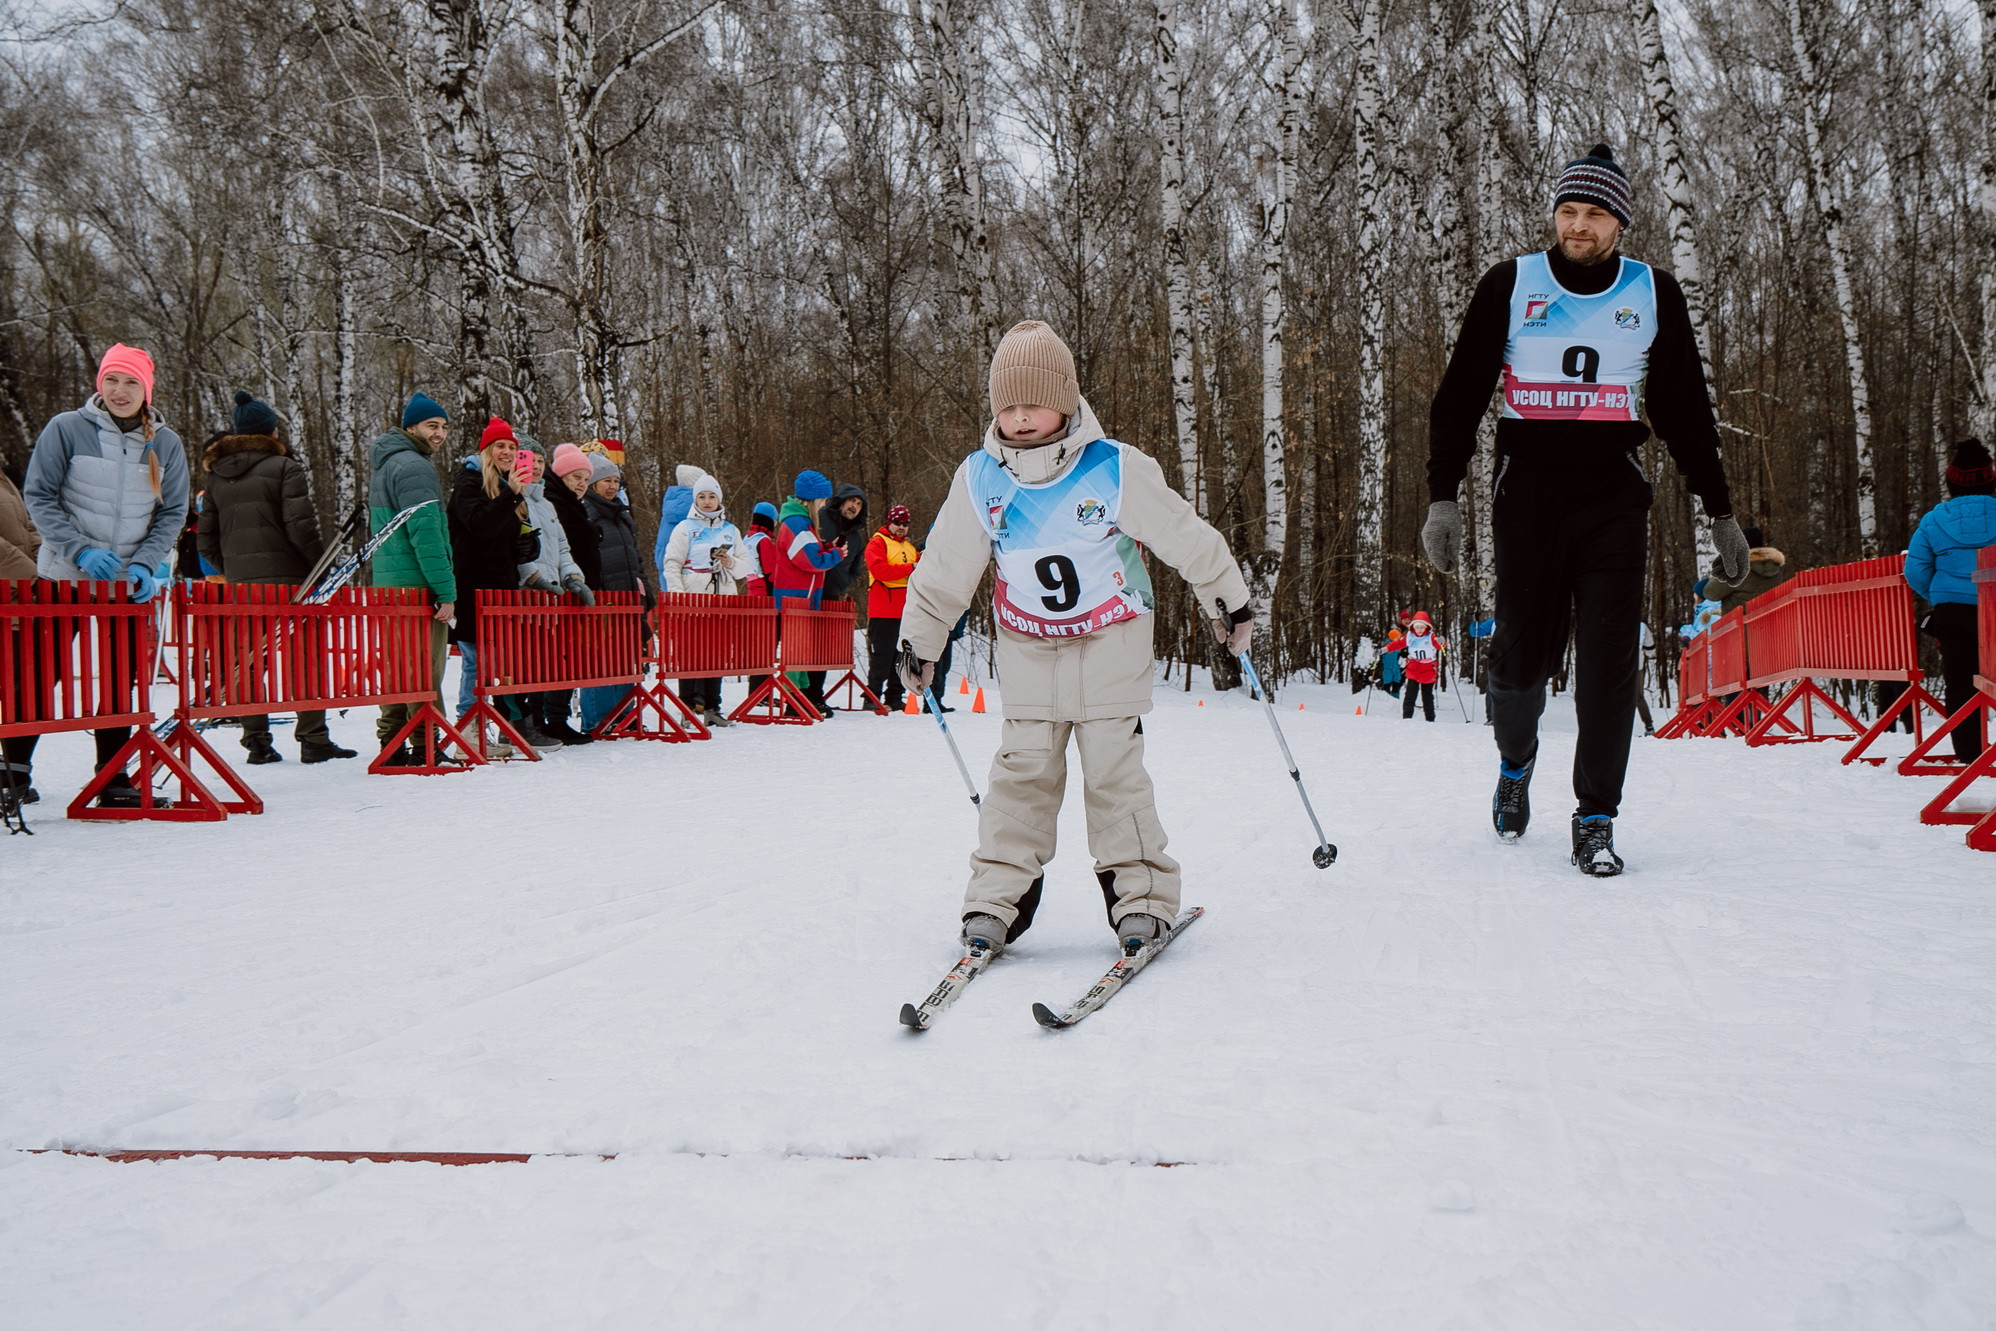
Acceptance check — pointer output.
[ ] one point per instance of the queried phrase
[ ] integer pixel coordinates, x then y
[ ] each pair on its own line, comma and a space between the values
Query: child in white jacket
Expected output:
706, 556
1064, 511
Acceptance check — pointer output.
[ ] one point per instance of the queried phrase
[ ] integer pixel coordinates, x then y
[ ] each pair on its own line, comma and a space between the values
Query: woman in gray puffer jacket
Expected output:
107, 489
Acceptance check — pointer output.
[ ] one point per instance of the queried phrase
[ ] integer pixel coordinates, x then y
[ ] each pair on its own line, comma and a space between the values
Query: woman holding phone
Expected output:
703, 557
489, 540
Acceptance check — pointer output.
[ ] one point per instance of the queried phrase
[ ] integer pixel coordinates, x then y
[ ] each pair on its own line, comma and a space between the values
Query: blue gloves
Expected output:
100, 566
145, 582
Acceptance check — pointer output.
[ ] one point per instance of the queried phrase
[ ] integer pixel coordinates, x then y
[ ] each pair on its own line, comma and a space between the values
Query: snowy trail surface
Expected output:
1444, 1084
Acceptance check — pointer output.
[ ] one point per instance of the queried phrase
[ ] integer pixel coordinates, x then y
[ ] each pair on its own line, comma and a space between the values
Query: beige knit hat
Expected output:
1034, 367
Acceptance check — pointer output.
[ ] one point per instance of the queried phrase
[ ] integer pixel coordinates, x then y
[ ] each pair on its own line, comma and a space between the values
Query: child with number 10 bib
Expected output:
1066, 512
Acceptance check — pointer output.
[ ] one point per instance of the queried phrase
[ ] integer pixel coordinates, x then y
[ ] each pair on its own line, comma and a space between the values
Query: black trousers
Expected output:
1425, 692
1952, 625
883, 645
1570, 561
702, 695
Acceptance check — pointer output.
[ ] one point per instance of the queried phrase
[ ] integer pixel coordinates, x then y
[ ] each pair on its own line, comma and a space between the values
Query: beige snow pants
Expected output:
1018, 816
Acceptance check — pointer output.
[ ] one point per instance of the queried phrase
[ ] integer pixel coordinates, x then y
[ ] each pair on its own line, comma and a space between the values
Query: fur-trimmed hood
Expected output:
1767, 554
249, 448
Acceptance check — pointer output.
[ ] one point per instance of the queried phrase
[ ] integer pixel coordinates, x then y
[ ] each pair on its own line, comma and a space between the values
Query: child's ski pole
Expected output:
1325, 854
936, 710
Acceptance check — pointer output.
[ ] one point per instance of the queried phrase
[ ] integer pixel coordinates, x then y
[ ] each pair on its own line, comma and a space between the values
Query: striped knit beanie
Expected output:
1033, 367
1595, 179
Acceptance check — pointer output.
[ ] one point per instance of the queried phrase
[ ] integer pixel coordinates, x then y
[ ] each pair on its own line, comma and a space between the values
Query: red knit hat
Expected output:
127, 360
1421, 617
496, 431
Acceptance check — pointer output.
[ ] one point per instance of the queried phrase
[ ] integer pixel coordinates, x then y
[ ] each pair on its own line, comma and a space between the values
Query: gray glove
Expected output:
574, 583
1734, 554
536, 583
1235, 631
916, 675
1441, 535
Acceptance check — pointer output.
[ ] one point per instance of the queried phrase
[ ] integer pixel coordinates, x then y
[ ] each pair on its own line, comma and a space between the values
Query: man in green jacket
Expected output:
417, 555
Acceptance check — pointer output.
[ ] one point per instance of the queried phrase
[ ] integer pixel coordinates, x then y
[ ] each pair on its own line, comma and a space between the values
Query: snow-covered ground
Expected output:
1445, 1084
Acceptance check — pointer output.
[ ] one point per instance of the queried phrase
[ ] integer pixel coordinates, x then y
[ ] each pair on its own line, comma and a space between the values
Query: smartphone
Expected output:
523, 466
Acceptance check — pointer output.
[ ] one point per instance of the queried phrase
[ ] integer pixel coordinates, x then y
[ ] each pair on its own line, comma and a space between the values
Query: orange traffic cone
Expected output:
964, 686
1202, 702
977, 705
1299, 706
914, 707
1358, 711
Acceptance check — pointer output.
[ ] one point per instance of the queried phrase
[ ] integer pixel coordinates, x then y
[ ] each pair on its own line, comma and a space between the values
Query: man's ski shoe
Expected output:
1594, 846
1511, 807
985, 931
1137, 928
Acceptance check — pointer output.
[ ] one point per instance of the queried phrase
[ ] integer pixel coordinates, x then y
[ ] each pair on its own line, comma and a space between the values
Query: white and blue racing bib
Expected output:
1064, 568
1578, 358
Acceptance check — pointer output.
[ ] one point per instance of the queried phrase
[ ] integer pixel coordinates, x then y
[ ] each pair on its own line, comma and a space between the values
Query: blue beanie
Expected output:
813, 485
766, 510
1698, 588
421, 408
252, 416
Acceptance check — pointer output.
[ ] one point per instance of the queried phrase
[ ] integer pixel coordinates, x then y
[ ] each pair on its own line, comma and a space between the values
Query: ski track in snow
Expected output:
1445, 1084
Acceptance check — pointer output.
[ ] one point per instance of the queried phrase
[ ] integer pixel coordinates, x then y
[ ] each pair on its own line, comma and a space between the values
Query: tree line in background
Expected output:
764, 235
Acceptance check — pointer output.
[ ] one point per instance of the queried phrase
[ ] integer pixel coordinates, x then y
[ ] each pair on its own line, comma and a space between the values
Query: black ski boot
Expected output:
1594, 846
321, 751
261, 750
1511, 807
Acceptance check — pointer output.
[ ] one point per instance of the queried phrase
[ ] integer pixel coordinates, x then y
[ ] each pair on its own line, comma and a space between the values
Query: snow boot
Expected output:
534, 735
261, 750
1594, 846
319, 751
1137, 928
987, 930
557, 727
1511, 807
122, 794
19, 780
715, 721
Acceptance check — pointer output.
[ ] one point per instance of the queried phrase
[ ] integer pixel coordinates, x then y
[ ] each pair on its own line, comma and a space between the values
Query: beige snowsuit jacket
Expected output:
1098, 675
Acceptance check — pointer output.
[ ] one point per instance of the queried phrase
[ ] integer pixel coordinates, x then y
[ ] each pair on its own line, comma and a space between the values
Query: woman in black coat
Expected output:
486, 533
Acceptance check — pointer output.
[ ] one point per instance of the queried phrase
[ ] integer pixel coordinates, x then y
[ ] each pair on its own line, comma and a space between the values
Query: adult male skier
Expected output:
1583, 338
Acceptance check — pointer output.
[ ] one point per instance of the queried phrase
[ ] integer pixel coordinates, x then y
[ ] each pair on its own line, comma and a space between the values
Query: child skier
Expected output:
1063, 509
1424, 654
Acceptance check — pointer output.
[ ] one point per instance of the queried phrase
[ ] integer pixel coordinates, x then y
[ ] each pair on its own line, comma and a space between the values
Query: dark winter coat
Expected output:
833, 527
484, 545
584, 541
1767, 568
257, 523
623, 566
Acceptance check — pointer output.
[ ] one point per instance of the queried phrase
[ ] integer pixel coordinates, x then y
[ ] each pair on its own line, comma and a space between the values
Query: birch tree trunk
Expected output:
1371, 319
1178, 275
950, 108
1490, 251
1822, 188
346, 364
1263, 569
580, 94
1985, 200
1654, 58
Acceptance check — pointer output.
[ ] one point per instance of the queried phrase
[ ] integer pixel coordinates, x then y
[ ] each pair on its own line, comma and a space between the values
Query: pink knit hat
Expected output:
567, 458
128, 360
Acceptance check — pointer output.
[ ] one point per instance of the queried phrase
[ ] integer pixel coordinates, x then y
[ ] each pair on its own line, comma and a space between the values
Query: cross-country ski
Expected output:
1132, 961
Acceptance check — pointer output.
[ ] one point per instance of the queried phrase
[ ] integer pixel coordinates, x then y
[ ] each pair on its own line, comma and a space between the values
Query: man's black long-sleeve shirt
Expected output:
1674, 396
